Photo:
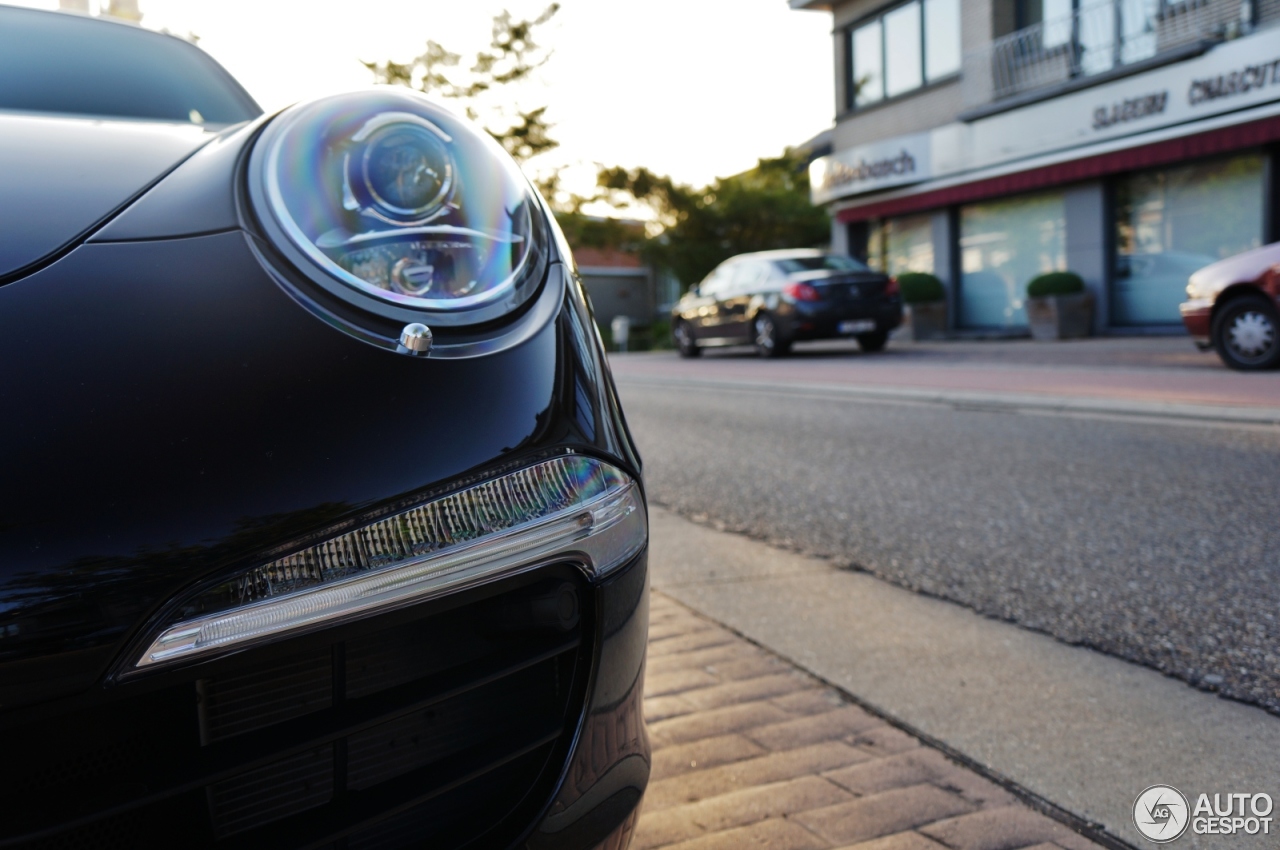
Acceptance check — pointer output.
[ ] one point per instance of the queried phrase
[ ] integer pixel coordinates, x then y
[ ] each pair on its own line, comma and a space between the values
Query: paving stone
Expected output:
715, 721
660, 708
897, 841
842, 723
1005, 828
751, 753
691, 642
674, 628
737, 808
677, 681
885, 740
747, 690
710, 659
899, 771
884, 813
774, 767
814, 700
747, 665
976, 789
772, 834
703, 754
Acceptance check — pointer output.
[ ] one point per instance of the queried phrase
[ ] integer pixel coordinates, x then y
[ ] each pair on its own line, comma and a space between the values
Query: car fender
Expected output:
1230, 293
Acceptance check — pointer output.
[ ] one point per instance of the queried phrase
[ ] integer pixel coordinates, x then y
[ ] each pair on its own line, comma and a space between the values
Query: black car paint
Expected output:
727, 318
172, 414
71, 174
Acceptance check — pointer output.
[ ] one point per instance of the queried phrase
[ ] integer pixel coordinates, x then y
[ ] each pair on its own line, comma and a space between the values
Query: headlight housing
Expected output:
400, 208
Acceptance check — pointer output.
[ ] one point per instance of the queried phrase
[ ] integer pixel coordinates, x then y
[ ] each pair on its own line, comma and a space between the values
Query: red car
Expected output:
1231, 305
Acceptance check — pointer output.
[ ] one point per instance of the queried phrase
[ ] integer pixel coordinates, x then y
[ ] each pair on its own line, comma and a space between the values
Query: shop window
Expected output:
1003, 244
902, 49
1173, 221
904, 244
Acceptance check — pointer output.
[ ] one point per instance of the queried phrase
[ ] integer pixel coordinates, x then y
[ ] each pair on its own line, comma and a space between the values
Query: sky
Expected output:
691, 88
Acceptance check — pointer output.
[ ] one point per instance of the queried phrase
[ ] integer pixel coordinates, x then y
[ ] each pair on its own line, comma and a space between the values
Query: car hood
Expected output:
1242, 268
61, 177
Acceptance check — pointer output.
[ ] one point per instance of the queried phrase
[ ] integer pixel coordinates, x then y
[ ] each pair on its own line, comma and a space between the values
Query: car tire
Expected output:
768, 343
1246, 333
872, 342
685, 342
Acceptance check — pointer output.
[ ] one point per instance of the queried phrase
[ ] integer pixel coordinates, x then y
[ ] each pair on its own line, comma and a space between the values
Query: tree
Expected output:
765, 207
513, 56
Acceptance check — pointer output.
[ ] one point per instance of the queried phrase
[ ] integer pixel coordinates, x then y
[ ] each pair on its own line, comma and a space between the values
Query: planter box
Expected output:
1061, 316
927, 320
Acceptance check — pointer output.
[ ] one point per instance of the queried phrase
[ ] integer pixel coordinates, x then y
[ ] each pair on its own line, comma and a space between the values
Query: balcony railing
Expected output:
1098, 37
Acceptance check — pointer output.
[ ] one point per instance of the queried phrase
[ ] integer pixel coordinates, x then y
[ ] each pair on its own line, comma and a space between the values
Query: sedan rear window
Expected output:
66, 63
834, 262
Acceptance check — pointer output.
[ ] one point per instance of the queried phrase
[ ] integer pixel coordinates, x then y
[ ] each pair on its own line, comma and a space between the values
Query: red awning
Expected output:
1224, 140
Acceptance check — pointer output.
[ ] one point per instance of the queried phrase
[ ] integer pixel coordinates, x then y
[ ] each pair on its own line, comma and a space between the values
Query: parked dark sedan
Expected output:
772, 299
1231, 306
320, 523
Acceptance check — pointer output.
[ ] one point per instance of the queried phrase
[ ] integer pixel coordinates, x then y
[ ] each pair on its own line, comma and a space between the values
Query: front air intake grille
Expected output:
435, 725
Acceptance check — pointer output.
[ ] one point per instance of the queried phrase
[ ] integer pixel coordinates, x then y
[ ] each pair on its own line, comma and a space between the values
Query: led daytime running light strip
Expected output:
567, 505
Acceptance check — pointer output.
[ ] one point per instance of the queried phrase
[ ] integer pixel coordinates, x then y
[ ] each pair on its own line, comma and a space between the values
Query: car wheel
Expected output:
1246, 333
685, 343
768, 343
873, 341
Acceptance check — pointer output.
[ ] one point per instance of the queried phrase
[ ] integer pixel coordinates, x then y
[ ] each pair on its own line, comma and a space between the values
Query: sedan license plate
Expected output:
856, 326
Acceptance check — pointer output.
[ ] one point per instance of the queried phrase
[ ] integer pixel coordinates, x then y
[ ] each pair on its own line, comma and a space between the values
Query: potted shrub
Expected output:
1059, 307
926, 301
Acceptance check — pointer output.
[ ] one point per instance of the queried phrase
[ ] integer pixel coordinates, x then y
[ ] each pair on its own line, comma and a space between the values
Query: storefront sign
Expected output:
869, 167
1237, 82
1232, 76
1130, 109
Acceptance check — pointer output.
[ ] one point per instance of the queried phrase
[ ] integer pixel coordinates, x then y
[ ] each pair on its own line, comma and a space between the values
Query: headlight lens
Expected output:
386, 195
576, 507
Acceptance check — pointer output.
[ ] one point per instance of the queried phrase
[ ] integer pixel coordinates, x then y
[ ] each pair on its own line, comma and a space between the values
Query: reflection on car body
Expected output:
321, 522
774, 298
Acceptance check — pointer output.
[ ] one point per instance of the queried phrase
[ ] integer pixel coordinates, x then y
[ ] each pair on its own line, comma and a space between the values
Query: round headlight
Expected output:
397, 205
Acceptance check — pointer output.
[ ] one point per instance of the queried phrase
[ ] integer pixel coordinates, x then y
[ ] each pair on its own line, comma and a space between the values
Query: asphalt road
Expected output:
1156, 543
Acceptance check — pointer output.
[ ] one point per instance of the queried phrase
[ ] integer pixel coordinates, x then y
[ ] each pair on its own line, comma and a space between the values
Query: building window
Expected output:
1173, 221
868, 64
1003, 244
902, 49
903, 244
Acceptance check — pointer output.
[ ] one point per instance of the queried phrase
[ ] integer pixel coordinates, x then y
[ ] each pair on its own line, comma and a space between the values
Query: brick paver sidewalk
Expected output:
750, 752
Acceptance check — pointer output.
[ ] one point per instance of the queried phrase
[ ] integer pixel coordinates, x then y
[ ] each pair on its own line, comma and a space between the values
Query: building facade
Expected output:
987, 141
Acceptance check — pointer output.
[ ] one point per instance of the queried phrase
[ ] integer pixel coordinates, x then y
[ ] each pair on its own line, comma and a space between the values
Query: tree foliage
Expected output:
763, 208
513, 56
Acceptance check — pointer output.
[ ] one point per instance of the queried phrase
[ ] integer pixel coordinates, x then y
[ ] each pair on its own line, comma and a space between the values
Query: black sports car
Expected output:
771, 299
320, 523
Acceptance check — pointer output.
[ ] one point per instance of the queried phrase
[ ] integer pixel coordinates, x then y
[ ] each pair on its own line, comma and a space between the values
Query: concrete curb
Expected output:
1042, 404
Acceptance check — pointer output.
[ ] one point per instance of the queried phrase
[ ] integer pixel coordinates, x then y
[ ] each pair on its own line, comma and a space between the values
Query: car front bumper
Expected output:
1197, 316
210, 423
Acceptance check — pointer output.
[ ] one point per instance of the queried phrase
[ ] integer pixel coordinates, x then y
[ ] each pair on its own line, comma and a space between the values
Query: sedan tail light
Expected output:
801, 291
891, 288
